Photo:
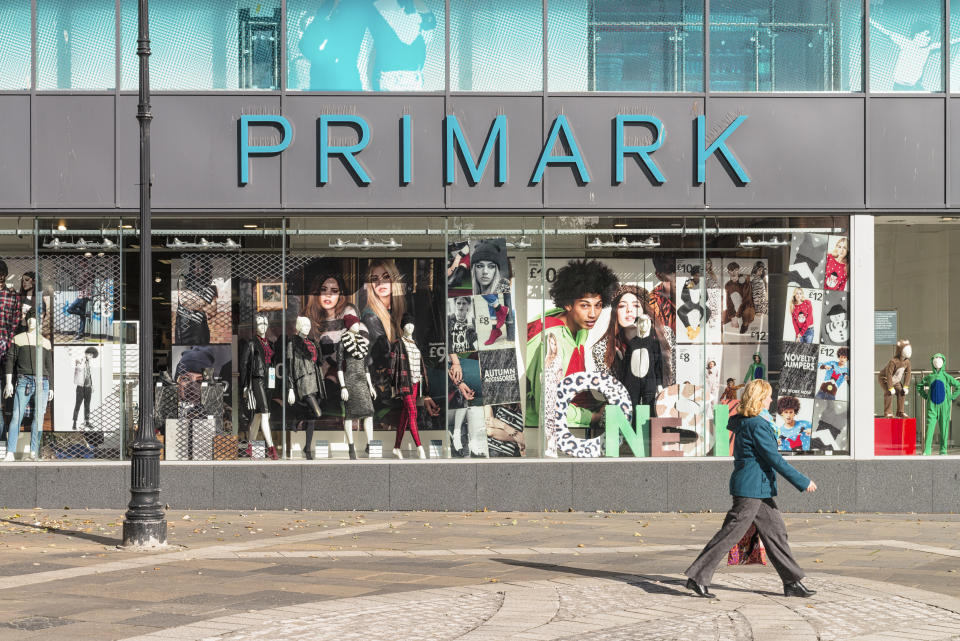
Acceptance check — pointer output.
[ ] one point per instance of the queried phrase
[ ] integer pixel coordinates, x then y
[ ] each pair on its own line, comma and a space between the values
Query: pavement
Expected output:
478, 576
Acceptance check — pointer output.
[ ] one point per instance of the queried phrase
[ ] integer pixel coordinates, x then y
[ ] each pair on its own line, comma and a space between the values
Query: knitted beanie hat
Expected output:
493, 251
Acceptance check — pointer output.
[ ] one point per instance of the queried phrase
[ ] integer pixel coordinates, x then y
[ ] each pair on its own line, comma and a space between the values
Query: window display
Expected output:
939, 389
426, 341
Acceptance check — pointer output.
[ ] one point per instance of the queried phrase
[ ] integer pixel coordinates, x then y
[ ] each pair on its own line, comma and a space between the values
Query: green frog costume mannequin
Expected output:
940, 389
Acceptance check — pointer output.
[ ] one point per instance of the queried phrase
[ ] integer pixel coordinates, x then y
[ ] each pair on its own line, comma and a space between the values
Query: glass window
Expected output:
496, 46
688, 315
612, 45
218, 44
765, 45
905, 41
75, 44
387, 45
15, 52
954, 41
912, 326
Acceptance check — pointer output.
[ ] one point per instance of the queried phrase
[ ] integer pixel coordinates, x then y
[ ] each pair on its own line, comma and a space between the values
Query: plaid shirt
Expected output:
10, 309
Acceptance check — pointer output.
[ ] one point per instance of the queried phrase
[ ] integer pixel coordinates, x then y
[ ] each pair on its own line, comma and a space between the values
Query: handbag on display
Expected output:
749, 551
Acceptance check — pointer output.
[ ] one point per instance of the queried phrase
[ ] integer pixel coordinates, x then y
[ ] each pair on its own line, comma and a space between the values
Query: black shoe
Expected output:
308, 454
366, 450
797, 589
700, 590
353, 452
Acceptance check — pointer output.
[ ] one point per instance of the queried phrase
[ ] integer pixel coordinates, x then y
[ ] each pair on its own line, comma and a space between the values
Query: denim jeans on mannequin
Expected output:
23, 394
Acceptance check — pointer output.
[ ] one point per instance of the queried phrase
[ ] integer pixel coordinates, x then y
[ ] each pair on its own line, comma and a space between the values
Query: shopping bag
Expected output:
749, 551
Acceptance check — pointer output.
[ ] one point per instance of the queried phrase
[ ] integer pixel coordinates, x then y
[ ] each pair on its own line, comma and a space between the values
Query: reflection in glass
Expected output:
207, 45
363, 45
15, 52
766, 45
75, 44
905, 41
496, 46
612, 45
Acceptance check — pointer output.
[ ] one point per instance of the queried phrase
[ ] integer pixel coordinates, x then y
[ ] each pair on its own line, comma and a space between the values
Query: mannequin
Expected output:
22, 361
895, 378
689, 305
756, 370
256, 363
409, 376
304, 381
356, 387
940, 389
642, 371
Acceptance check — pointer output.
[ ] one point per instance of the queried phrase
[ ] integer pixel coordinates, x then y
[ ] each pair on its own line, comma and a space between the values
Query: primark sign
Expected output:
457, 150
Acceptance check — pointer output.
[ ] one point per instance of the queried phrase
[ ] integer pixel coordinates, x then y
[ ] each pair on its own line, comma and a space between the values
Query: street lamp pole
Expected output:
145, 523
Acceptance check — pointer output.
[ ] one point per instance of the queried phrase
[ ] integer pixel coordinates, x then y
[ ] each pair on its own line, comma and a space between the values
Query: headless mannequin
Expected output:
895, 379
262, 419
348, 423
409, 416
31, 339
311, 400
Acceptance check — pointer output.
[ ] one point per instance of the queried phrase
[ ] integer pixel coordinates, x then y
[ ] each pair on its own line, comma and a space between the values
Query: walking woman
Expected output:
753, 485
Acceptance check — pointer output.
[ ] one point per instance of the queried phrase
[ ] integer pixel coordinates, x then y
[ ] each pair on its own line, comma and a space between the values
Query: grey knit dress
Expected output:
354, 360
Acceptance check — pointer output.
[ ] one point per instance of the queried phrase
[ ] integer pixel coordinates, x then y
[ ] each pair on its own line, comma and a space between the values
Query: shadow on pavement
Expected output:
649, 583
96, 538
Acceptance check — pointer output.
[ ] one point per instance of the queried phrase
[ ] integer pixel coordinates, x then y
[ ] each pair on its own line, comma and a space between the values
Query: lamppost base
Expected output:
145, 534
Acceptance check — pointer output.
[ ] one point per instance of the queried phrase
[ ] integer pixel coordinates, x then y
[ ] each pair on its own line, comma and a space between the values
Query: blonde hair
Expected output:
793, 298
836, 249
751, 400
389, 318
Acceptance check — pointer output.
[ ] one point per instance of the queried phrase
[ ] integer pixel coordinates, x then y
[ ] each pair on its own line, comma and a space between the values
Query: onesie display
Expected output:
940, 390
642, 366
756, 370
894, 379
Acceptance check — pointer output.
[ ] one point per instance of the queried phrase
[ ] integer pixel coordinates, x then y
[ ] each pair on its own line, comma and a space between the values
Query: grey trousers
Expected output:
773, 533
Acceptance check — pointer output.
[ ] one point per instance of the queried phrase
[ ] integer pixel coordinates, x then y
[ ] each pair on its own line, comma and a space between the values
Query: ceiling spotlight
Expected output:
229, 243
87, 255
250, 226
392, 243
366, 243
61, 226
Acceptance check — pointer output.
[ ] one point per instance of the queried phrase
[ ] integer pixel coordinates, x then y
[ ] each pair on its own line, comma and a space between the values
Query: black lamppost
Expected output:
145, 523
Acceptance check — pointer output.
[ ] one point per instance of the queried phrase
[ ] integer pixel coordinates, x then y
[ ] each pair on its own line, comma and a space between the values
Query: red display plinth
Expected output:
894, 436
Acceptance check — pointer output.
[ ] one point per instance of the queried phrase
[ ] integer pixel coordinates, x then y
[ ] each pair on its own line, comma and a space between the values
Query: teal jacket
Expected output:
757, 461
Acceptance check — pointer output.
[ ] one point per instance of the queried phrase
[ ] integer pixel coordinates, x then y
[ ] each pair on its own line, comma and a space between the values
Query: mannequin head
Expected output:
937, 362
262, 323
903, 350
644, 325
408, 325
302, 326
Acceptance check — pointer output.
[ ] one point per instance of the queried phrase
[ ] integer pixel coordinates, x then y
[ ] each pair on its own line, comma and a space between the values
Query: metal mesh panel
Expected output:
76, 300
261, 289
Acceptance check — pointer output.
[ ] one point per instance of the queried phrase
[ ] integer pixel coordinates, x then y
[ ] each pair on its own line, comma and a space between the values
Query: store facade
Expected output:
563, 245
